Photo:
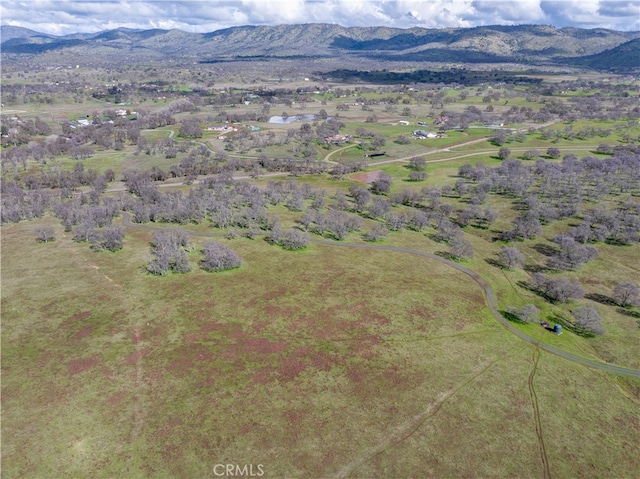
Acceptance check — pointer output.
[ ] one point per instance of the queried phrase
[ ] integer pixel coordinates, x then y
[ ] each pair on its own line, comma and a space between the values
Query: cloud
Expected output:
69, 16
613, 14
619, 9
521, 11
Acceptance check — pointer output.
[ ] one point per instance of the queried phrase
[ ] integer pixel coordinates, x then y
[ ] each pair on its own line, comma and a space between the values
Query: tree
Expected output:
556, 289
588, 319
377, 142
169, 250
402, 140
382, 185
626, 294
531, 154
418, 164
528, 313
109, 238
360, 195
45, 234
293, 239
553, 152
527, 226
460, 248
218, 257
571, 254
396, 222
504, 153
418, 176
604, 149
190, 128
418, 221
511, 257
500, 138
379, 207
376, 233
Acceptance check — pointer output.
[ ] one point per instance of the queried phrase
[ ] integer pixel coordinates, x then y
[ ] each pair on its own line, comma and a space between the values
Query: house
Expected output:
337, 139
421, 134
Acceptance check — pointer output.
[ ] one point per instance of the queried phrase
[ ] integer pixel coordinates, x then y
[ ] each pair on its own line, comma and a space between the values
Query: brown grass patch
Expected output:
76, 366
367, 177
136, 356
84, 332
116, 398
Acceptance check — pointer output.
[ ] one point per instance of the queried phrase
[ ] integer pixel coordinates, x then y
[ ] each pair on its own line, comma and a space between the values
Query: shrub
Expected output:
218, 257
45, 234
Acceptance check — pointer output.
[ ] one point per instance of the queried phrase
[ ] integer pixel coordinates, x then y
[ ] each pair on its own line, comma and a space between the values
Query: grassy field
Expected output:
328, 362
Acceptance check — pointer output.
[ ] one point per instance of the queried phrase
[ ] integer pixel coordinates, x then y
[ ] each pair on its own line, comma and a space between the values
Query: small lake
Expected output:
285, 120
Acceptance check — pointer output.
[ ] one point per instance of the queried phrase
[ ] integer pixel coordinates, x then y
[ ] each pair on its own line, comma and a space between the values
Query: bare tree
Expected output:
376, 233
218, 257
626, 294
528, 313
571, 254
294, 239
588, 319
109, 238
504, 153
556, 289
511, 257
460, 248
418, 164
45, 234
361, 197
382, 185
169, 250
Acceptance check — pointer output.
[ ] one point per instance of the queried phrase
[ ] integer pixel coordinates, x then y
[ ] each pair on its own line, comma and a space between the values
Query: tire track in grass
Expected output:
536, 415
138, 419
406, 430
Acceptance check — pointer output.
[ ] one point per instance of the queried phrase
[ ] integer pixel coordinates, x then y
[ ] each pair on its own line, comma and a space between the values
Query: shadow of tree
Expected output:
512, 317
449, 256
628, 312
536, 268
542, 294
569, 326
496, 263
601, 298
545, 249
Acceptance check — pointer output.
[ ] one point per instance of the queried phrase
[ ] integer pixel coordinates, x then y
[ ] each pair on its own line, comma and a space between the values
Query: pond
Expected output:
285, 120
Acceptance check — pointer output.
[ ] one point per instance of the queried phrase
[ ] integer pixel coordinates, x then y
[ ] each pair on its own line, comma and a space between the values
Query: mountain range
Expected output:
598, 49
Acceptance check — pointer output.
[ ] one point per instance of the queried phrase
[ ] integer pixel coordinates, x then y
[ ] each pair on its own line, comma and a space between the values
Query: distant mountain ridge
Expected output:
529, 44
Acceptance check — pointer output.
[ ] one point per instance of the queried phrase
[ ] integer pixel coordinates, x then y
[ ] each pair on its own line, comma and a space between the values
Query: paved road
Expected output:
484, 286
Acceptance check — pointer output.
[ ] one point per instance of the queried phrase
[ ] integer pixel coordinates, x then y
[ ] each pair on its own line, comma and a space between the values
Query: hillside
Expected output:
528, 44
623, 57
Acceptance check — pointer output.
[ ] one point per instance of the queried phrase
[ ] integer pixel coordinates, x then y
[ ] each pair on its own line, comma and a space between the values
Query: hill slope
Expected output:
530, 44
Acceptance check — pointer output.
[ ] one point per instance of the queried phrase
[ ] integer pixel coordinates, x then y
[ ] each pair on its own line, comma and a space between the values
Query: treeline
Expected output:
461, 77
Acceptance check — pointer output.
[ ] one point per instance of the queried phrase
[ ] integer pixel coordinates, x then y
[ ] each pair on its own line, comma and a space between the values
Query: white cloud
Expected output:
511, 12
67, 16
614, 14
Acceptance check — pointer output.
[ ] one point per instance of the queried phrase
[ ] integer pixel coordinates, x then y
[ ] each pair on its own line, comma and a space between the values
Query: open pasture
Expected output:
325, 363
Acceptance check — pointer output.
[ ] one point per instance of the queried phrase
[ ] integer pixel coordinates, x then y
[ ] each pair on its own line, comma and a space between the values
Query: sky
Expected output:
60, 17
